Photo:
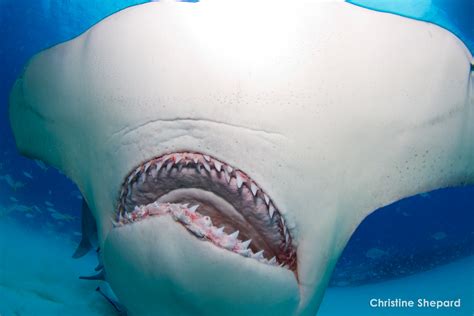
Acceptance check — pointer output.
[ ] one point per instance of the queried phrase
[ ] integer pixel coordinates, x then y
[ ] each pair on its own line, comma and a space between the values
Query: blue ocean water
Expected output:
426, 239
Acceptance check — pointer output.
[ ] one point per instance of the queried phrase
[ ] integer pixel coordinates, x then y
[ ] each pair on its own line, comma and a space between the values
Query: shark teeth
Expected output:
239, 180
197, 224
213, 168
246, 244
253, 188
227, 176
177, 158
147, 165
142, 178
193, 209
154, 172
271, 211
245, 252
234, 235
272, 261
219, 232
159, 164
267, 199
258, 255
206, 166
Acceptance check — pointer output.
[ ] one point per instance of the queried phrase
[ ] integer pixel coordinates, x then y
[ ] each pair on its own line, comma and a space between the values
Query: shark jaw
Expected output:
234, 212
195, 235
157, 266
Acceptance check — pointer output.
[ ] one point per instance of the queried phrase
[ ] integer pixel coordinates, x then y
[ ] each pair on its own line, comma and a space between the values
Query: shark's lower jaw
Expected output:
214, 201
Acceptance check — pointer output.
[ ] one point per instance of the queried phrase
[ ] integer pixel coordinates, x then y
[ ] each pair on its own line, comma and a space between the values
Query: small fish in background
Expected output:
63, 217
76, 194
29, 215
13, 199
21, 208
375, 253
15, 185
37, 209
425, 195
41, 165
439, 235
48, 203
51, 210
28, 175
60, 216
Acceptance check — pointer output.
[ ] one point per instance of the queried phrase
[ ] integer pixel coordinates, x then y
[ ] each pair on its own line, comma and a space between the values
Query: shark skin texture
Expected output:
332, 109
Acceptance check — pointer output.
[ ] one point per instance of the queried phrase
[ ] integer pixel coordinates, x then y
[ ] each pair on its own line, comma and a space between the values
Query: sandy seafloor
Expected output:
39, 277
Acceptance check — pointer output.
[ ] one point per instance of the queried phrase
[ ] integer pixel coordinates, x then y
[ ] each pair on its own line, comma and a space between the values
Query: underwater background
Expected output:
422, 246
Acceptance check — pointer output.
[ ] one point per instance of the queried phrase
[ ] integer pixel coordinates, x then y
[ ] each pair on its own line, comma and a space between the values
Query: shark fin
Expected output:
89, 231
83, 248
117, 306
98, 276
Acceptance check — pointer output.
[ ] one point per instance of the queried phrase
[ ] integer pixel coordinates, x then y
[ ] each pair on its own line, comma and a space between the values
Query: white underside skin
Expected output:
334, 110
182, 275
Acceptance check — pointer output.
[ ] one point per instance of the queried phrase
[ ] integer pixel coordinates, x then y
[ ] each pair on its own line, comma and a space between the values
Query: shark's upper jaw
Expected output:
233, 213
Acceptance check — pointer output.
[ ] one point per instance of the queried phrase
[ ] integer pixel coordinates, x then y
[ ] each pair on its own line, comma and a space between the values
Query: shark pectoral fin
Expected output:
117, 306
89, 232
98, 276
100, 266
83, 248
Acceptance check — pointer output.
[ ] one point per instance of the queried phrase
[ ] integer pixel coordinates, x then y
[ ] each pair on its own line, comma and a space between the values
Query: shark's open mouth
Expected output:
214, 201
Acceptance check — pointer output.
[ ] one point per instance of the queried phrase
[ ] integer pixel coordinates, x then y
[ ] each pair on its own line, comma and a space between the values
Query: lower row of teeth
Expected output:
199, 225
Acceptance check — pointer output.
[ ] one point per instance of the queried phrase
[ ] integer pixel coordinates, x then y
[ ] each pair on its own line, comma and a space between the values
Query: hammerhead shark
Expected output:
228, 149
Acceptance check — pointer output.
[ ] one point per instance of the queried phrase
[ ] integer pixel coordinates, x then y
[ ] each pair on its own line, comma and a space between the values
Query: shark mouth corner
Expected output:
214, 201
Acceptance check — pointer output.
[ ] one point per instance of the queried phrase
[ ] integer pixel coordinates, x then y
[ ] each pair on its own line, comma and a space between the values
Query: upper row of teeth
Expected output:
199, 225
180, 160
169, 161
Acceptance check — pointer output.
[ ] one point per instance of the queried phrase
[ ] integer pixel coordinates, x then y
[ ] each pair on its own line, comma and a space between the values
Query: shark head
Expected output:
203, 134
